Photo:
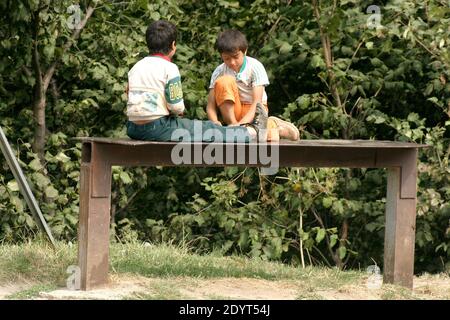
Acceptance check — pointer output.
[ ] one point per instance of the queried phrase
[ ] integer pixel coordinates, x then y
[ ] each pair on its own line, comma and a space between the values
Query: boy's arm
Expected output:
258, 92
211, 108
259, 80
174, 96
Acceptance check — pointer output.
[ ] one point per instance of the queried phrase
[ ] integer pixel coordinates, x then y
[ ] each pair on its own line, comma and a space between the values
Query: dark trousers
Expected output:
171, 128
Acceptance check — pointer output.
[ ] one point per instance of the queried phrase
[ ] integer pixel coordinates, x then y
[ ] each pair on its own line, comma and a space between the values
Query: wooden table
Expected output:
99, 154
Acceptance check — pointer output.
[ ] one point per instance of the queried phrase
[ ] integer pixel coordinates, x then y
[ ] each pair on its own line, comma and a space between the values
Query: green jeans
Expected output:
171, 128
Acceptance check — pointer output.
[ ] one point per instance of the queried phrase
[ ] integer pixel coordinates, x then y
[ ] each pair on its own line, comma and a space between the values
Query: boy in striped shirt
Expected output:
237, 88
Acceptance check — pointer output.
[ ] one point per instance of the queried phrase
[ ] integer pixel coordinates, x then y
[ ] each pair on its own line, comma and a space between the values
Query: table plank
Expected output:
303, 143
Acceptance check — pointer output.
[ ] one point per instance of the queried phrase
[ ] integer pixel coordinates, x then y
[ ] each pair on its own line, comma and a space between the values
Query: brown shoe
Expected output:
286, 129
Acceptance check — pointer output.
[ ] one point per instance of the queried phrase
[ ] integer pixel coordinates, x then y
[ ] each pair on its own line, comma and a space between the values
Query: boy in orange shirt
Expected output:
237, 88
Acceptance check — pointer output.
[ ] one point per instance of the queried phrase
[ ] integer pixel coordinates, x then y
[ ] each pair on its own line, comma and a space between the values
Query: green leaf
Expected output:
327, 202
371, 226
51, 192
35, 165
155, 16
333, 24
304, 101
200, 220
342, 252
41, 180
29, 221
125, 178
320, 235
18, 204
13, 185
347, 1
338, 207
436, 101
376, 62
379, 120
304, 235
49, 51
62, 157
240, 23
317, 61
333, 240
285, 48
347, 51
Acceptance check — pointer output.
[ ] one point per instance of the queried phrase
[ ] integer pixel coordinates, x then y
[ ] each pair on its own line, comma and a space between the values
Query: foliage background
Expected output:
331, 74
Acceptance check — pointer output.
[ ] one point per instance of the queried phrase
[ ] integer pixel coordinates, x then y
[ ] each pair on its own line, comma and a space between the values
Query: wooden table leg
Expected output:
94, 221
401, 222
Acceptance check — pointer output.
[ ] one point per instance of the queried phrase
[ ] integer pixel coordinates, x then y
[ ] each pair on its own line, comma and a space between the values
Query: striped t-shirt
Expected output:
251, 74
154, 89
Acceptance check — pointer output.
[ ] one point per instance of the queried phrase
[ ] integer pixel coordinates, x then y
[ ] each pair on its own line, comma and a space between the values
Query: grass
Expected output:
167, 261
177, 271
36, 262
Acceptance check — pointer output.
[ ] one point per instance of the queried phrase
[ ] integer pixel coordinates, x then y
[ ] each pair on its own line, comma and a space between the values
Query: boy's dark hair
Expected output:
230, 41
160, 35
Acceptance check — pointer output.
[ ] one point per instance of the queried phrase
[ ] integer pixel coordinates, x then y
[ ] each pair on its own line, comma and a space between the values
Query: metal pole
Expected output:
23, 186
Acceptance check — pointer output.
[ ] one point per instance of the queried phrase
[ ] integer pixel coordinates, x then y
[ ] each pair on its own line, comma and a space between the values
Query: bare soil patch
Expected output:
139, 287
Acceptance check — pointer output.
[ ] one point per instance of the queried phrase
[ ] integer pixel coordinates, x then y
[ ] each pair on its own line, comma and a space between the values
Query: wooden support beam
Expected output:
94, 224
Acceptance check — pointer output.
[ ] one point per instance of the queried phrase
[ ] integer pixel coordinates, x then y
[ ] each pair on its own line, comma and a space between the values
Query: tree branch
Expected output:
354, 54
319, 219
51, 70
26, 71
35, 56
326, 45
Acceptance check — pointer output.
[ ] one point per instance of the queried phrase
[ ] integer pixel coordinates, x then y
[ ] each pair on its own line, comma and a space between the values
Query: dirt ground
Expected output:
138, 287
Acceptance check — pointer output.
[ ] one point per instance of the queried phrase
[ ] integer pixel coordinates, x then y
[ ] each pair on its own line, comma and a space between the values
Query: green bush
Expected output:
390, 82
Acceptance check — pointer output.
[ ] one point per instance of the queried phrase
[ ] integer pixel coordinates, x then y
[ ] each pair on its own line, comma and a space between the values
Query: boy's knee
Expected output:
226, 105
225, 89
225, 81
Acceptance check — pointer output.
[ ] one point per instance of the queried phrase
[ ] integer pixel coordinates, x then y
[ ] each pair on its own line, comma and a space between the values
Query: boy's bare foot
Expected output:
286, 129
273, 132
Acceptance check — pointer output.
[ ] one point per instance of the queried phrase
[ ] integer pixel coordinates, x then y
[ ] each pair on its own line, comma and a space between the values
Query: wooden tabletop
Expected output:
302, 143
